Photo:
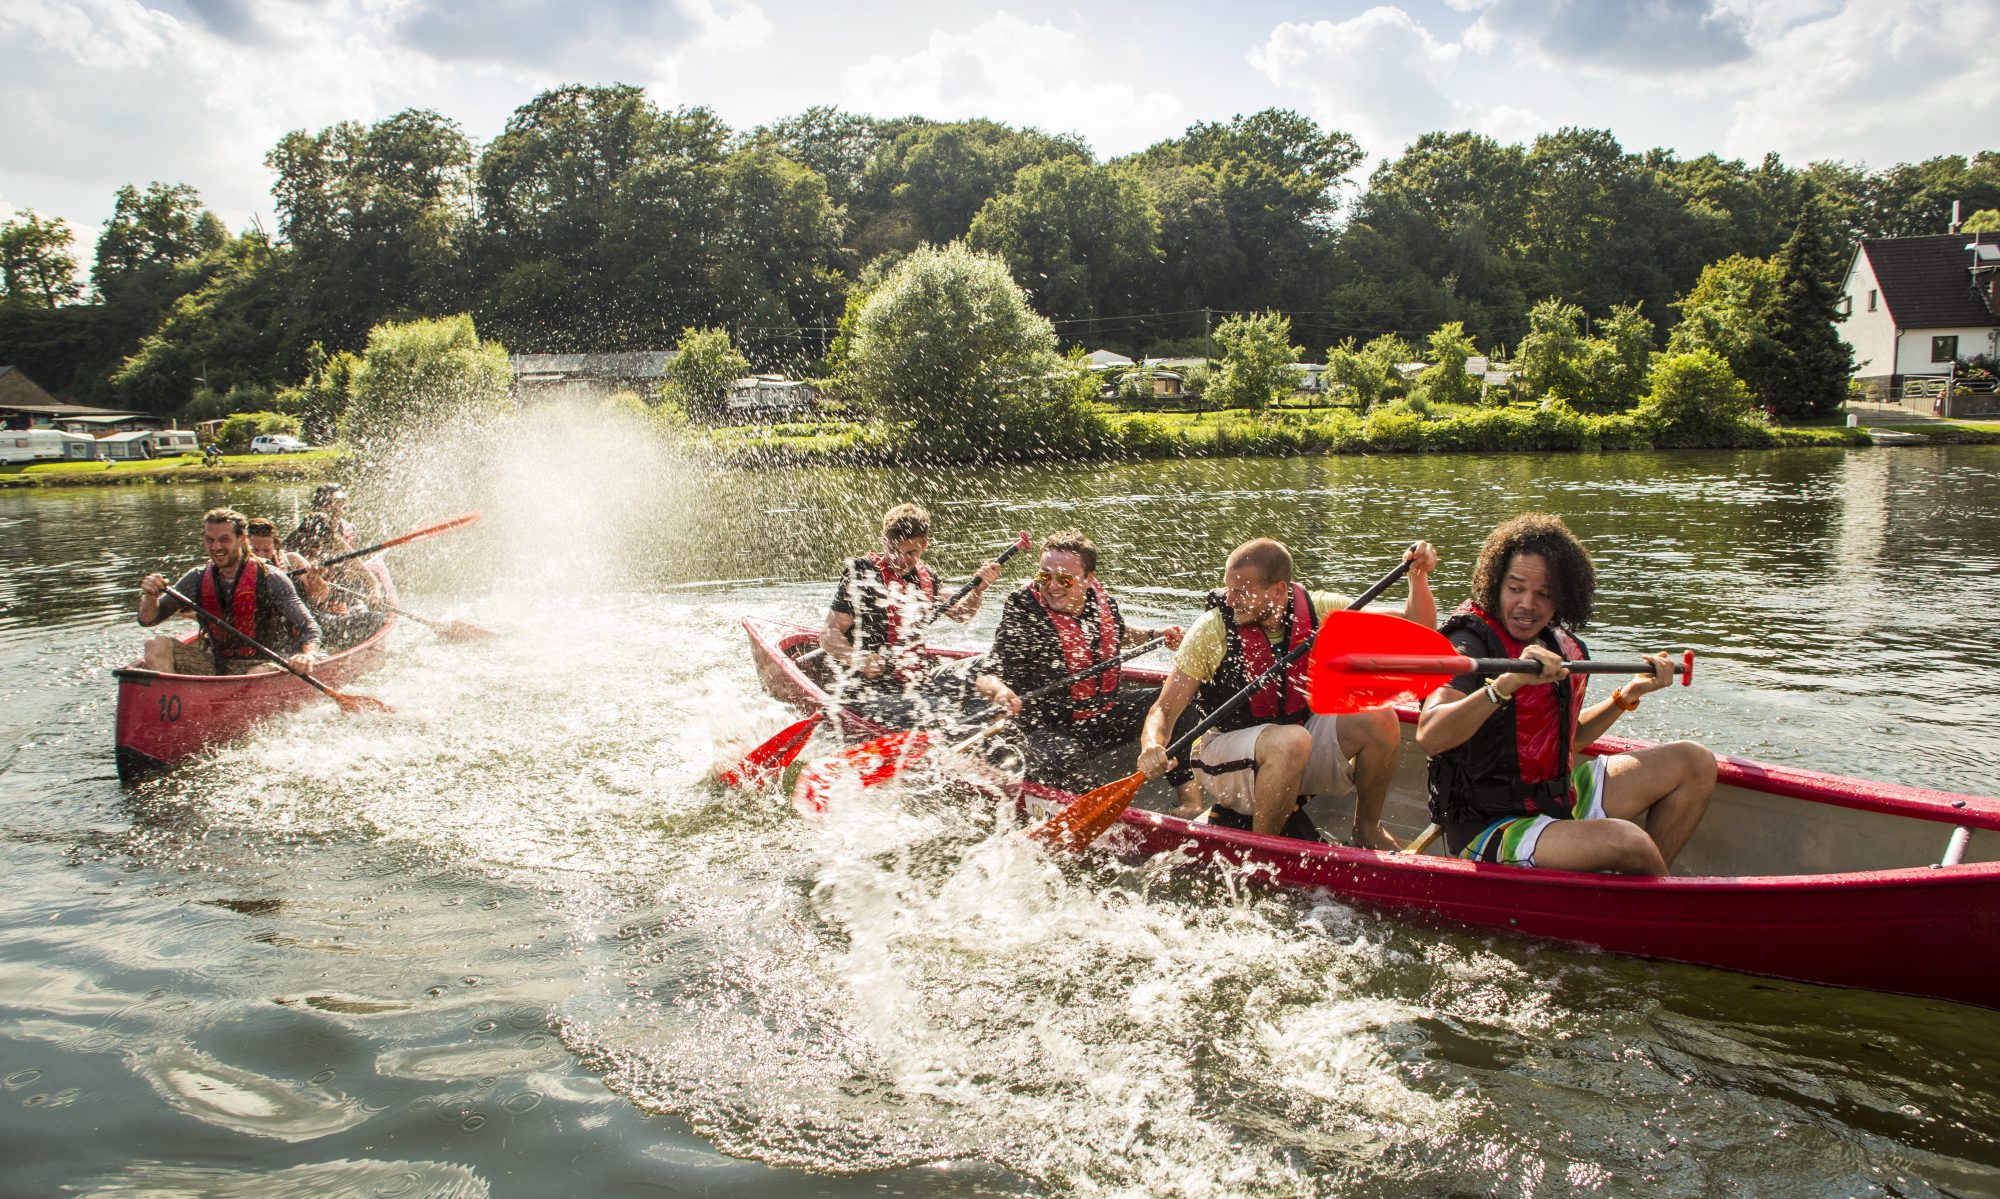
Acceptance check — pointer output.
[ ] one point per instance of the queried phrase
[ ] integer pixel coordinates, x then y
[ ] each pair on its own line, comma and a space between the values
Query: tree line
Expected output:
597, 221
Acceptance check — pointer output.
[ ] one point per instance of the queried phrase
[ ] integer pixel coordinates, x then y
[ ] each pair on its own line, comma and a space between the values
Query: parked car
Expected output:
277, 443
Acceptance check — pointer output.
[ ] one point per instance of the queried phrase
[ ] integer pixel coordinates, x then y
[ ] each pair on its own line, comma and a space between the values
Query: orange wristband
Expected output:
1624, 705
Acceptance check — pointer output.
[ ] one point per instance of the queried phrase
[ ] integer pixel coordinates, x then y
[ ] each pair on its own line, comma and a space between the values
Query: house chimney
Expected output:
1954, 217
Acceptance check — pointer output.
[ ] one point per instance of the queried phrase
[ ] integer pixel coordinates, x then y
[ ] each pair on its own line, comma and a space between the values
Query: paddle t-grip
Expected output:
1687, 667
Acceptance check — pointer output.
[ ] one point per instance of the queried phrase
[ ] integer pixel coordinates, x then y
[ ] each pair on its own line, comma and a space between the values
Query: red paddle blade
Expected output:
769, 760
354, 705
1086, 819
1336, 683
865, 765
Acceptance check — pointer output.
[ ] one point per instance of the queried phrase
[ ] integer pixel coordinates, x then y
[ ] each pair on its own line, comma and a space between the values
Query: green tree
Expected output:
230, 330
150, 237
1080, 234
1550, 356
36, 265
697, 377
321, 399
378, 217
417, 375
1445, 380
1258, 361
1729, 311
1810, 363
928, 184
1617, 361
1371, 373
1986, 220
1696, 400
948, 347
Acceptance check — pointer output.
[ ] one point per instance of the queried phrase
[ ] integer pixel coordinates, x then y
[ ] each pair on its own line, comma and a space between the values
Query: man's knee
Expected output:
1374, 732
1697, 764
1284, 745
1625, 847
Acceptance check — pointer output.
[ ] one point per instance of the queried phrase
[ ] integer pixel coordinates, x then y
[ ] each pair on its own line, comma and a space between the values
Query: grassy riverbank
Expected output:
234, 468
1290, 432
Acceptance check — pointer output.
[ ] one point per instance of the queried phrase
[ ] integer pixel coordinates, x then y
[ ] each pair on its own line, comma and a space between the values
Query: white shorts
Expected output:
1226, 764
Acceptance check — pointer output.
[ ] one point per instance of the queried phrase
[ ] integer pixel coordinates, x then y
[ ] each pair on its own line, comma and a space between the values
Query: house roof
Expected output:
639, 364
1925, 281
136, 436
1098, 359
67, 411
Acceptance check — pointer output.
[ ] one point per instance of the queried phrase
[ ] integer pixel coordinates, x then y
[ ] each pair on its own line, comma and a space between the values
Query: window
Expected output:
1872, 293
1944, 349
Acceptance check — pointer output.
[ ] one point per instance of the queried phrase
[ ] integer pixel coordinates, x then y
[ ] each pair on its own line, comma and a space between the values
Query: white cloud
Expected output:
1867, 82
1025, 74
1381, 76
1635, 38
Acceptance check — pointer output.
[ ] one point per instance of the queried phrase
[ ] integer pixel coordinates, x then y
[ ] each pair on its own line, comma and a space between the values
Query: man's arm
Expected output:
1421, 607
1450, 716
155, 605
968, 607
1161, 718
285, 598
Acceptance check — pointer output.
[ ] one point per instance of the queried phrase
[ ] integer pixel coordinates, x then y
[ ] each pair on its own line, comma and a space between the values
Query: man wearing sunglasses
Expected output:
875, 621
1055, 625
1270, 754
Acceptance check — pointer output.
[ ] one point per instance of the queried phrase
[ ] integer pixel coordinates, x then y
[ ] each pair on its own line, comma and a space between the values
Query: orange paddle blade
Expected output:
1085, 820
865, 765
769, 760
1335, 683
355, 704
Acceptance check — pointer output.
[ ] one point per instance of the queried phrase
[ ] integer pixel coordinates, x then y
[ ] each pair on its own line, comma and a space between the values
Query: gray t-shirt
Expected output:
280, 611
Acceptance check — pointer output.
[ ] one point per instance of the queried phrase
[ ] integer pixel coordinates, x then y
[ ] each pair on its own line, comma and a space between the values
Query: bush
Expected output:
417, 375
235, 434
1259, 361
697, 377
1696, 400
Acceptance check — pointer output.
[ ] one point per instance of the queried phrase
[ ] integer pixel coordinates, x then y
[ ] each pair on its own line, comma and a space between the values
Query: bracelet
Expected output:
1493, 693
1624, 705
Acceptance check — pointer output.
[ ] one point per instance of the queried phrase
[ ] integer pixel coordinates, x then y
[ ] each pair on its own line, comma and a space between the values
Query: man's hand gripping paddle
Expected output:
1087, 818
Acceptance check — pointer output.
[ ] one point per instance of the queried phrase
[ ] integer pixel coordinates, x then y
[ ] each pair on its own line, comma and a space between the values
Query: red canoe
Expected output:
164, 719
1794, 873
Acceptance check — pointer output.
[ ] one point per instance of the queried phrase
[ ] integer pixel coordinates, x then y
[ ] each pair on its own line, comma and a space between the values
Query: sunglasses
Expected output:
1061, 580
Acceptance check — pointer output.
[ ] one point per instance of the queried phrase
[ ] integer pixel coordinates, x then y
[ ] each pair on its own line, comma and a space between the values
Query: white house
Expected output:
1918, 306
770, 395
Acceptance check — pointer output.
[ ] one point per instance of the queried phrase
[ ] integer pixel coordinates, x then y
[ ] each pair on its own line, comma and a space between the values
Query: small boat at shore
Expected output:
165, 719
1794, 873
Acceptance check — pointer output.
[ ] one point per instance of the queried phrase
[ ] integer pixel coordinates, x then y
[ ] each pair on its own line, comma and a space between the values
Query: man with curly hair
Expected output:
1504, 783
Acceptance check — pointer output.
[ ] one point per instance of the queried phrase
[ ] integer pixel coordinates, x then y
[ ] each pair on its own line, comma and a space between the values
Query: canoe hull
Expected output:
1910, 927
165, 719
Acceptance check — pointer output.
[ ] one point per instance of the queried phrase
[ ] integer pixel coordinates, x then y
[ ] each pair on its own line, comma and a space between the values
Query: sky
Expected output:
99, 93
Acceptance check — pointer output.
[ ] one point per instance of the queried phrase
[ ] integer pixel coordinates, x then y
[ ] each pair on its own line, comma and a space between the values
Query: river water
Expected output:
510, 941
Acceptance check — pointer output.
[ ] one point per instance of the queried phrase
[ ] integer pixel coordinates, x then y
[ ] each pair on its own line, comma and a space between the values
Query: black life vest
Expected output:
1096, 694
890, 609
1250, 654
1480, 780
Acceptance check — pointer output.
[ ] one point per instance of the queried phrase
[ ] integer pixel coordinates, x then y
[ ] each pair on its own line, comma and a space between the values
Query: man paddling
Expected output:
1502, 783
874, 627
346, 598
1270, 754
1053, 626
234, 587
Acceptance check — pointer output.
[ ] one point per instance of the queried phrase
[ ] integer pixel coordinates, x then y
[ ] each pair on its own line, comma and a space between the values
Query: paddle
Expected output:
450, 630
349, 704
1407, 661
769, 759
456, 522
1090, 814
898, 750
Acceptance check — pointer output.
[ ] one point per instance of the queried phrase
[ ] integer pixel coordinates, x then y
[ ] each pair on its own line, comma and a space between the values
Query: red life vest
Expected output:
1250, 654
242, 608
1096, 695
1539, 739
894, 592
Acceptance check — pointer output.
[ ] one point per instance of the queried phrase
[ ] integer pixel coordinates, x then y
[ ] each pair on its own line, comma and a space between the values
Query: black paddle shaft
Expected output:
1278, 668
215, 622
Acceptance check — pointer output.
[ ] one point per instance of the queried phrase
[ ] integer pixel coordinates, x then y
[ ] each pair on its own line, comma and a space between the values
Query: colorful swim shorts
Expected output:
1512, 841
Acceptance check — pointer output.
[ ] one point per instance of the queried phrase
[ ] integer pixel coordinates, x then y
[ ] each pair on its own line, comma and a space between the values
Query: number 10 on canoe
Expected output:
1365, 660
